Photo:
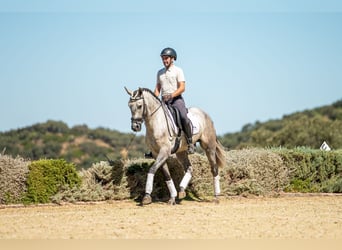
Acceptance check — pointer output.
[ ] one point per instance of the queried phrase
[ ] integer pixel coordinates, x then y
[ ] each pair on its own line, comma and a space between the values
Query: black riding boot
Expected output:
188, 136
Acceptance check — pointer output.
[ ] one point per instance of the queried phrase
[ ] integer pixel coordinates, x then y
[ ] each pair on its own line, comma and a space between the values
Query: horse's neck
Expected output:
152, 104
155, 120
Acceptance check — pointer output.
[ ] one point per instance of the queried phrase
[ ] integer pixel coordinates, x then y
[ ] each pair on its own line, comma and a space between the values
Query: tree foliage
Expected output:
308, 128
79, 144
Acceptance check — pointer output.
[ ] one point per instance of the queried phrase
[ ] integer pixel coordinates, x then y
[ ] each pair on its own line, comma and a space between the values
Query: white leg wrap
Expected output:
149, 183
185, 181
172, 188
217, 185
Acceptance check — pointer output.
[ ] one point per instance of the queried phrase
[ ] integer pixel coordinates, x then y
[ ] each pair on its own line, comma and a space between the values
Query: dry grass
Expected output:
13, 174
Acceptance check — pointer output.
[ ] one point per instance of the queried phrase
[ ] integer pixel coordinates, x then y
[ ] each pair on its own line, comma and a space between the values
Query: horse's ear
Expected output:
129, 92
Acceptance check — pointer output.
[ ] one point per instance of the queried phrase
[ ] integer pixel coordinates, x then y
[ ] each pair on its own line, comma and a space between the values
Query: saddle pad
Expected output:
193, 119
195, 123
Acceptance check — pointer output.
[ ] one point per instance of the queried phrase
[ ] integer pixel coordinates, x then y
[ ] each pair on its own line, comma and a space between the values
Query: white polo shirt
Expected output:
168, 79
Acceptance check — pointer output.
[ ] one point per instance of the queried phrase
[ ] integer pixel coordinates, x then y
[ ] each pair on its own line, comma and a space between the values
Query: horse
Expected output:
163, 141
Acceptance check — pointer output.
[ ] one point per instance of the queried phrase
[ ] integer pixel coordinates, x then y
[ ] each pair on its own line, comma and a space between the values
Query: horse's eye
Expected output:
139, 106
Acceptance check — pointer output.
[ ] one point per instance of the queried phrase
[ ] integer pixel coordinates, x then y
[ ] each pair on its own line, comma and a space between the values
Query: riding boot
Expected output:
188, 136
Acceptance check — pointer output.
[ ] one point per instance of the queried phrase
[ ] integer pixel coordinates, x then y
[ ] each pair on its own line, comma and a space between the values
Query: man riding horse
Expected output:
171, 85
146, 106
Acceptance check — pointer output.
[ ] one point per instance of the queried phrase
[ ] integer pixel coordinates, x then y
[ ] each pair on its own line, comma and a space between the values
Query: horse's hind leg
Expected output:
214, 170
184, 160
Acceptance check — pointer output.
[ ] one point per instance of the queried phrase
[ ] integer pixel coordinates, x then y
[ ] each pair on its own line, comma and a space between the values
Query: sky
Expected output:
244, 61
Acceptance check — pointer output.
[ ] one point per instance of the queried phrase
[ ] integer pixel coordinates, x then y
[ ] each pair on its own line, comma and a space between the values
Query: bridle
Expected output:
136, 122
140, 120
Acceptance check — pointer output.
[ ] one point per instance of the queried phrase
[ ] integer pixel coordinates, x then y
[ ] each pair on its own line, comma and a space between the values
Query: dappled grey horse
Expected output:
164, 141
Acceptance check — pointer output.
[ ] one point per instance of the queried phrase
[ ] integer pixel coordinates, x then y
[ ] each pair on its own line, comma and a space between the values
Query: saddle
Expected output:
176, 116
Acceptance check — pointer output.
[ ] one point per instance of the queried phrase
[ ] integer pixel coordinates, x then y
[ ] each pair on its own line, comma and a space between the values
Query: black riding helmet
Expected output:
169, 52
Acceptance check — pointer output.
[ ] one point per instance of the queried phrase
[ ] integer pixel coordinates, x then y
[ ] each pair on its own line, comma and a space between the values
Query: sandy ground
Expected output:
309, 217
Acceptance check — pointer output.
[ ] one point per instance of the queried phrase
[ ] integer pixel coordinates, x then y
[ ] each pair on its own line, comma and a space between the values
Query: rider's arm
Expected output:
180, 89
157, 89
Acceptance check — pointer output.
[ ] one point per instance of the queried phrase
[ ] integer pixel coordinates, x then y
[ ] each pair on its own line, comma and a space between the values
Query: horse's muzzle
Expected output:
136, 125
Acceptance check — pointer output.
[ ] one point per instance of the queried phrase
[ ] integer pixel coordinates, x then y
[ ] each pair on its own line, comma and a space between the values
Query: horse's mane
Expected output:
151, 92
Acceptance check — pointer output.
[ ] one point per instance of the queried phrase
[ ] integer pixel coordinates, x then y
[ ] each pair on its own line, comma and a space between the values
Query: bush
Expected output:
47, 177
313, 170
13, 174
254, 171
119, 180
137, 174
101, 181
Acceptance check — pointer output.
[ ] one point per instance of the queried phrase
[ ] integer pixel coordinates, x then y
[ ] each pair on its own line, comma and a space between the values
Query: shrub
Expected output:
47, 177
119, 180
137, 173
312, 170
101, 181
254, 171
13, 173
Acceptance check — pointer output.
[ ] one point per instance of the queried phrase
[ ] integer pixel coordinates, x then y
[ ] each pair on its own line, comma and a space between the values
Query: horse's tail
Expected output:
220, 155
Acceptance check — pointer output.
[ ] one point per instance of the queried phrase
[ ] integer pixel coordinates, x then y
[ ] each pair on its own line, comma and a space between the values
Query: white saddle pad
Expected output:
193, 119
195, 123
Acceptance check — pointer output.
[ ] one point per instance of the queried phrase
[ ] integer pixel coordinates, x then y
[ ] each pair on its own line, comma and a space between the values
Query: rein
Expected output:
144, 111
156, 110
162, 104
167, 119
135, 96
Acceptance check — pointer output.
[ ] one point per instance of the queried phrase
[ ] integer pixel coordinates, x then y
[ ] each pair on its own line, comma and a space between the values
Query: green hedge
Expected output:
313, 170
47, 177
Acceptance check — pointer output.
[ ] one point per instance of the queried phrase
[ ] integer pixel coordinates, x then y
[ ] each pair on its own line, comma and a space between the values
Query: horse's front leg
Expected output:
160, 160
170, 185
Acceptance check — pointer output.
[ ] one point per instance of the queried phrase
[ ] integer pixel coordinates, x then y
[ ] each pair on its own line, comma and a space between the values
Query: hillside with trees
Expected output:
308, 128
84, 146
79, 144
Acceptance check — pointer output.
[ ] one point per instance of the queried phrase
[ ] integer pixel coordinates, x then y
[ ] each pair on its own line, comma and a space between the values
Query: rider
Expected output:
171, 85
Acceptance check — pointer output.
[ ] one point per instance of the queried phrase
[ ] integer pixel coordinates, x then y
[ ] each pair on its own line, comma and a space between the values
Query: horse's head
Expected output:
137, 106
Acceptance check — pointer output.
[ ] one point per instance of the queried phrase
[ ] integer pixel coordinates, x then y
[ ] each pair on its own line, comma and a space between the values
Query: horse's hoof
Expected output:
181, 194
172, 201
146, 200
216, 200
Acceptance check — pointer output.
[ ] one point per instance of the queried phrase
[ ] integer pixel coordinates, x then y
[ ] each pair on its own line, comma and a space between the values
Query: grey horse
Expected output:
146, 107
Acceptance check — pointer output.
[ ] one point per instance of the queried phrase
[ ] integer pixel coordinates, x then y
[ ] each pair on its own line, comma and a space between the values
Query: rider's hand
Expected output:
167, 98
